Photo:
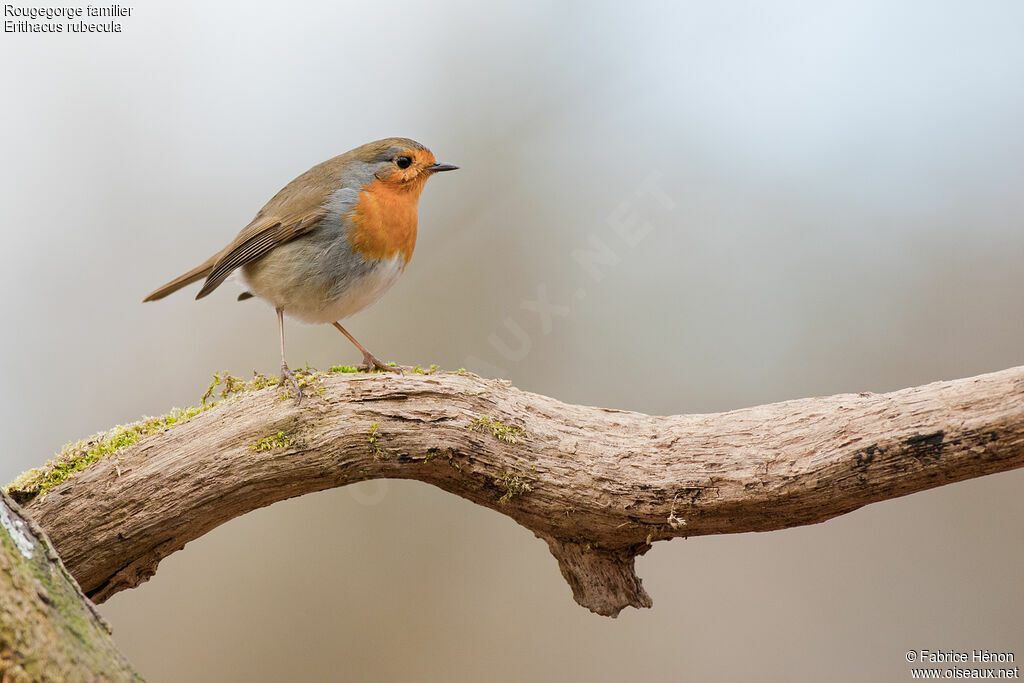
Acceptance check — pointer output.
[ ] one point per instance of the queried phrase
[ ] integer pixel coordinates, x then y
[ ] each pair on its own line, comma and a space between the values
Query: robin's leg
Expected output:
285, 372
369, 360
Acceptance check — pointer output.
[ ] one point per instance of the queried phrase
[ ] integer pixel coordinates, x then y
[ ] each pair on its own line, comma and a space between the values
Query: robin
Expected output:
331, 242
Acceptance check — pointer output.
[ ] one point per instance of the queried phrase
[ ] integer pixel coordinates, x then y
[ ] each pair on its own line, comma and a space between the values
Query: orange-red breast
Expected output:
331, 242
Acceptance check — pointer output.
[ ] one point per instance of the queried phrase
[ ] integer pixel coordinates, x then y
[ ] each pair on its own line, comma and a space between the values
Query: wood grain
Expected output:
598, 485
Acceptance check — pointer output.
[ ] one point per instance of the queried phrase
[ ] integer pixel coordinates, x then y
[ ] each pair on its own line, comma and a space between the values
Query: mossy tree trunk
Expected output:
49, 631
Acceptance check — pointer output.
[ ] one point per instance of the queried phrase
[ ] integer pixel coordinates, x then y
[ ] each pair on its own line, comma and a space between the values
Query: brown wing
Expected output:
258, 238
294, 211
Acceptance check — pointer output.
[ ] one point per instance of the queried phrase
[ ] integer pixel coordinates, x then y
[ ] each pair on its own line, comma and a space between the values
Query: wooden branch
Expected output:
49, 631
598, 485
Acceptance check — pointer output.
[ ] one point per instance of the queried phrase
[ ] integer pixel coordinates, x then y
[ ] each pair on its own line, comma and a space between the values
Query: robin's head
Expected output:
400, 163
389, 175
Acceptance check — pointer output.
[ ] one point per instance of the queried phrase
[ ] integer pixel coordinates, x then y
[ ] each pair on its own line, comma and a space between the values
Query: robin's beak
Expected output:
437, 168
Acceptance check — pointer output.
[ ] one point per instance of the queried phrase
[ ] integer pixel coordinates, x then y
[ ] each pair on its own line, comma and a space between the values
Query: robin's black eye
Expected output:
403, 162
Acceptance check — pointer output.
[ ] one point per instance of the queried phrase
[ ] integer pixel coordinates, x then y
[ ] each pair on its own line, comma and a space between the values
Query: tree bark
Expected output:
598, 485
49, 631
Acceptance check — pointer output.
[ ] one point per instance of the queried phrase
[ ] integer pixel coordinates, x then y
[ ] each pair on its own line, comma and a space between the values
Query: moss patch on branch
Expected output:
352, 369
376, 449
75, 457
512, 484
269, 443
447, 453
499, 431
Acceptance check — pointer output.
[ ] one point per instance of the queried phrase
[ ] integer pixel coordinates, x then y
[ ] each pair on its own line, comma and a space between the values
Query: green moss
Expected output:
209, 390
232, 385
261, 381
417, 370
372, 371
513, 484
447, 453
269, 443
65, 601
236, 385
306, 378
375, 448
352, 369
303, 378
75, 457
345, 369
60, 603
498, 430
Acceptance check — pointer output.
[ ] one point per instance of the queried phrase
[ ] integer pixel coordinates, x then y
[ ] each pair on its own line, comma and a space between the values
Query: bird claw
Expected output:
287, 374
370, 363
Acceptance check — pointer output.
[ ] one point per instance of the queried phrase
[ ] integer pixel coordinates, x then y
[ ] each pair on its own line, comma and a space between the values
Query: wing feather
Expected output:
294, 211
254, 242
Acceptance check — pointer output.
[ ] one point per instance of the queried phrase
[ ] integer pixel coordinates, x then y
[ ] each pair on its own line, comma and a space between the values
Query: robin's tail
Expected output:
197, 273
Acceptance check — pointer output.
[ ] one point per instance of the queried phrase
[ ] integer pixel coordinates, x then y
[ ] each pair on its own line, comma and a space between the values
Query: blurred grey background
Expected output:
839, 208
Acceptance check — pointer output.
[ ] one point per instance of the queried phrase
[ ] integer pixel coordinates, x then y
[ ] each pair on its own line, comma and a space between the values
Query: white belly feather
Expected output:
359, 294
318, 295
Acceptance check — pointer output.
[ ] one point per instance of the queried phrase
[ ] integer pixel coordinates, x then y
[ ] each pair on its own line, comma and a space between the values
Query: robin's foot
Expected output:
370, 362
288, 375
